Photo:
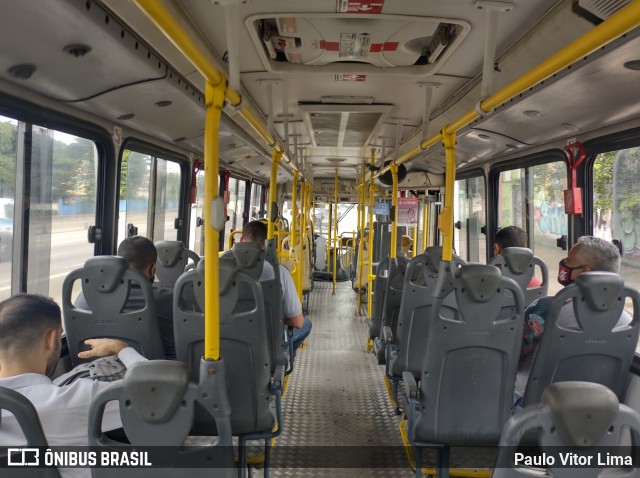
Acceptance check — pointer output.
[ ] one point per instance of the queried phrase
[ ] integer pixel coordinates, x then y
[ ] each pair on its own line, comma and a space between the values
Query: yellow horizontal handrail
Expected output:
618, 24
167, 22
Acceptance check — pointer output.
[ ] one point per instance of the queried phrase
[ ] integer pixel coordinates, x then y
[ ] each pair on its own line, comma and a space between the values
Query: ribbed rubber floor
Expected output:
336, 410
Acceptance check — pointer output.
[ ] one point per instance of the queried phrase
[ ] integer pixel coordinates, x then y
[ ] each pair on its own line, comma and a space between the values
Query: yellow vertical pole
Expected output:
214, 99
445, 220
330, 234
425, 225
294, 211
335, 230
415, 241
370, 276
393, 254
275, 161
304, 193
363, 195
292, 238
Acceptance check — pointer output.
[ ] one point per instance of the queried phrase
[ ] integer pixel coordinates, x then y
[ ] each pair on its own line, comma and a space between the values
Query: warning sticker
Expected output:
287, 25
354, 45
359, 6
343, 77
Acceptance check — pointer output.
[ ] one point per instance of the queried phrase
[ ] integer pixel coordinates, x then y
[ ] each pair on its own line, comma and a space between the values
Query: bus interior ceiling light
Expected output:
347, 100
163, 104
77, 50
22, 72
632, 65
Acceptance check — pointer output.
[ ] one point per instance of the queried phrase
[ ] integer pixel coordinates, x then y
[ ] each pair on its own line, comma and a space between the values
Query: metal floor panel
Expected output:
336, 397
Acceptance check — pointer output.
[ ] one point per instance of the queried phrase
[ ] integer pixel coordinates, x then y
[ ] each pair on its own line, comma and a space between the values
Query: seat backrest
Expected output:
379, 287
157, 405
27, 419
393, 292
580, 417
250, 258
589, 339
108, 286
243, 342
519, 263
414, 316
470, 360
172, 261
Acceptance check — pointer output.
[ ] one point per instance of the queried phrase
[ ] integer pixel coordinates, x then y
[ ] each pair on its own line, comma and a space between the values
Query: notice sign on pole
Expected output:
381, 208
407, 211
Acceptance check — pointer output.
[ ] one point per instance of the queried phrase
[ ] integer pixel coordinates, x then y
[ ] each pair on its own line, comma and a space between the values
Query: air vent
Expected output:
598, 10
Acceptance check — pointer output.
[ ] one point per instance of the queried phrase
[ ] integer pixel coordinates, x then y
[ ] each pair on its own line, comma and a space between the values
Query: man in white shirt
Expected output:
256, 231
30, 343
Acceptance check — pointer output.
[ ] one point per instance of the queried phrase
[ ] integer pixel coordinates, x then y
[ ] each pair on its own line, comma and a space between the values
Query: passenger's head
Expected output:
140, 254
589, 254
30, 330
254, 231
510, 236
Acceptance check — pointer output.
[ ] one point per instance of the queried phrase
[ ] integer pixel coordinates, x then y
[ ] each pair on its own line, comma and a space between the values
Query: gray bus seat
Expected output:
157, 405
390, 302
106, 284
173, 258
27, 418
250, 259
244, 346
575, 416
379, 286
405, 347
593, 348
466, 391
519, 263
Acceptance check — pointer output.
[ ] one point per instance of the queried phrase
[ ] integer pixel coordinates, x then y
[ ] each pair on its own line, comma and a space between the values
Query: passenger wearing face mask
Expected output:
141, 254
589, 254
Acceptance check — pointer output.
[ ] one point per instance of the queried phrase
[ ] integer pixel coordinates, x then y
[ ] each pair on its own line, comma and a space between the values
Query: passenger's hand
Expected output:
102, 348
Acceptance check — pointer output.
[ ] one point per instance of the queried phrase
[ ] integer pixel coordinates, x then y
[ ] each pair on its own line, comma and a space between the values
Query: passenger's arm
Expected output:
291, 306
295, 321
105, 347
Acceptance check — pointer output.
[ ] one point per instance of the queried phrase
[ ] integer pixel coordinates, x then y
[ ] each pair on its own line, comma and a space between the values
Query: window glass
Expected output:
135, 183
196, 236
616, 206
8, 161
347, 219
460, 215
167, 208
62, 207
469, 215
549, 220
231, 210
255, 205
533, 200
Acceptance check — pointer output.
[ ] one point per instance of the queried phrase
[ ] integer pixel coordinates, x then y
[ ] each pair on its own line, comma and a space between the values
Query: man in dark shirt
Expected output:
141, 254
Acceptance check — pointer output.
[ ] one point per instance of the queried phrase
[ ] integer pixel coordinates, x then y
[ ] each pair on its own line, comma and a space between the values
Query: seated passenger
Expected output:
256, 231
512, 236
30, 331
141, 254
589, 254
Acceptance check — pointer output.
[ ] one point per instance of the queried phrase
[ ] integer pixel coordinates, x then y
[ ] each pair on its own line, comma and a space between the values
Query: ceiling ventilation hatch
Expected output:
344, 43
332, 126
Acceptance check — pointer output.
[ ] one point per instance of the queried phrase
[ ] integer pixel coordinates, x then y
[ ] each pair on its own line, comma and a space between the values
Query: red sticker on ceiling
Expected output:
359, 6
343, 77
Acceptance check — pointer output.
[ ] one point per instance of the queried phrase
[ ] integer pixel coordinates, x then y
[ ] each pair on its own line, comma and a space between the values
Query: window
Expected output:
8, 161
237, 189
150, 189
255, 206
196, 236
532, 199
616, 206
62, 205
470, 219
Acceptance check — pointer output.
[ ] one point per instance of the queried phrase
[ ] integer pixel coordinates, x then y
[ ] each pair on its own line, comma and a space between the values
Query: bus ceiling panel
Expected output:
77, 52
158, 108
593, 94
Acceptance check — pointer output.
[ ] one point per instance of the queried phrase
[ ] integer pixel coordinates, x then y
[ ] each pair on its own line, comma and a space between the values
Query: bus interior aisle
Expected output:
336, 410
